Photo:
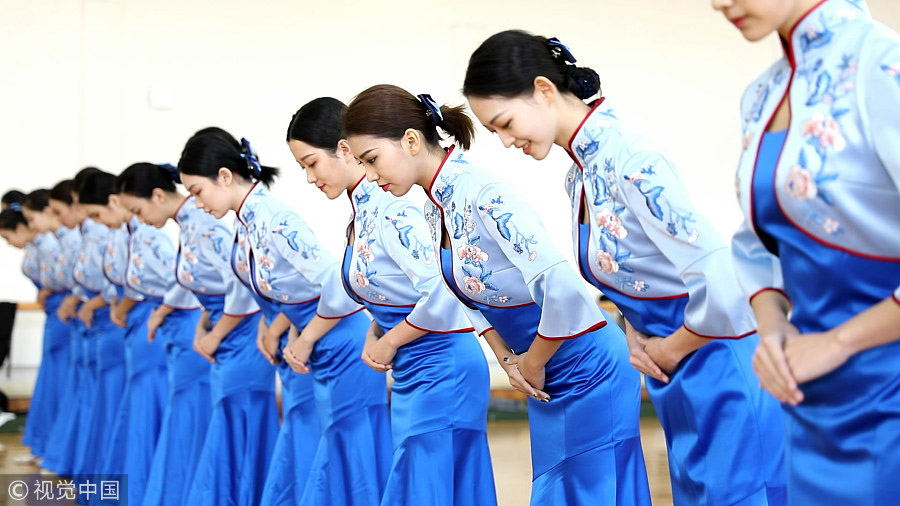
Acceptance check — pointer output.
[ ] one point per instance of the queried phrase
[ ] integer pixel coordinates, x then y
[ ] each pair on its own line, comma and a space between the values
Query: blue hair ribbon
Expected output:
172, 170
251, 158
15, 206
558, 49
432, 109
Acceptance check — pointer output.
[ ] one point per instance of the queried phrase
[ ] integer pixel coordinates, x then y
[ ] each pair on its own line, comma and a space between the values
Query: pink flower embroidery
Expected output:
187, 277
826, 129
637, 176
243, 267
747, 138
473, 285
800, 184
136, 260
136, 281
365, 251
639, 286
360, 279
266, 262
189, 256
532, 256
264, 285
608, 220
831, 226
606, 262
472, 252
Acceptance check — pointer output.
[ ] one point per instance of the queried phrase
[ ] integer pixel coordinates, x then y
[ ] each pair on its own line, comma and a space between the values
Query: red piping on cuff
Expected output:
719, 337
893, 296
178, 308
339, 317
483, 332
583, 332
779, 290
470, 329
240, 315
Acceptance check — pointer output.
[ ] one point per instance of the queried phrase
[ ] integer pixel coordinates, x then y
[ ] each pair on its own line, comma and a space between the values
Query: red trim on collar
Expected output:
353, 189
594, 105
238, 210
788, 45
177, 209
438, 171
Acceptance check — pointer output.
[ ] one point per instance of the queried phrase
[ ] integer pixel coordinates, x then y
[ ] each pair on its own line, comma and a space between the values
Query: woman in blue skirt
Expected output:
148, 191
818, 253
105, 341
238, 442
60, 453
288, 266
639, 239
440, 392
534, 311
36, 236
299, 435
141, 255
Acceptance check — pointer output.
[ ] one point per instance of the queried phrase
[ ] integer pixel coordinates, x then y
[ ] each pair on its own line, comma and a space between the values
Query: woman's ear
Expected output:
412, 141
343, 151
544, 89
114, 201
158, 196
225, 176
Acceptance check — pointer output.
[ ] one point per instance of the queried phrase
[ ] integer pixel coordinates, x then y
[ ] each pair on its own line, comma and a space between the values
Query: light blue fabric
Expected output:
585, 443
440, 392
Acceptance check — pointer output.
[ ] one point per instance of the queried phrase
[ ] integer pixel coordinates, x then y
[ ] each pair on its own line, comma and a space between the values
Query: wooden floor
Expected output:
509, 450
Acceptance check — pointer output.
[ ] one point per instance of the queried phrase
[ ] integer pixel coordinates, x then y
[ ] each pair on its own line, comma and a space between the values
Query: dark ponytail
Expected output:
506, 64
318, 123
38, 200
13, 198
96, 188
387, 111
213, 148
140, 179
10, 219
62, 191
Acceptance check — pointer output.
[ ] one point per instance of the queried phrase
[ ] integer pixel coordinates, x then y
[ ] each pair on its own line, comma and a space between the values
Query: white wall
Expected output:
75, 78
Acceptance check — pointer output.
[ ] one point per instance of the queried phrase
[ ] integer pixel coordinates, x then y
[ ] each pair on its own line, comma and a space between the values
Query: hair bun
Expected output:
584, 82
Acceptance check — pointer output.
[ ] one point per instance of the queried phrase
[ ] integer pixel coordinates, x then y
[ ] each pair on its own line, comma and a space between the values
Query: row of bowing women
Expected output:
772, 364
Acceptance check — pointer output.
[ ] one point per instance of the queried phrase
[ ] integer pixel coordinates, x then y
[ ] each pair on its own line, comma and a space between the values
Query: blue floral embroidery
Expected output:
893, 71
521, 243
605, 191
475, 282
364, 196
295, 242
659, 206
415, 247
810, 177
365, 254
814, 38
